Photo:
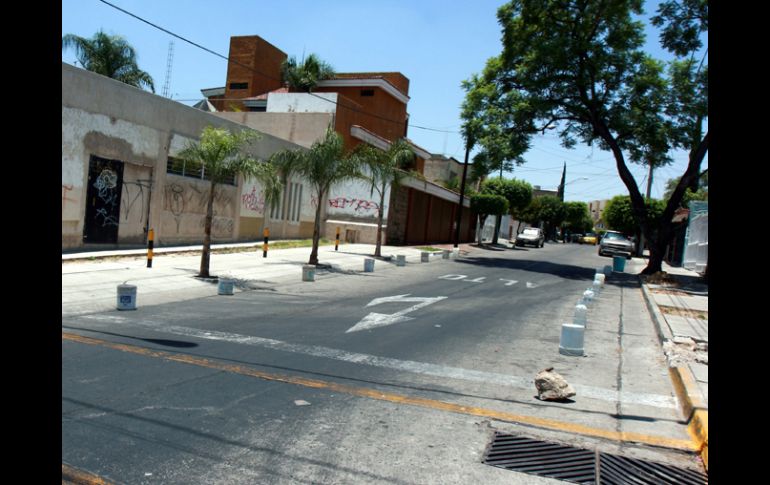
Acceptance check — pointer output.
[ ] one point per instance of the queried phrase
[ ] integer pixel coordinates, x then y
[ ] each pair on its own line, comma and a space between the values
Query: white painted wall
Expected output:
302, 103
354, 199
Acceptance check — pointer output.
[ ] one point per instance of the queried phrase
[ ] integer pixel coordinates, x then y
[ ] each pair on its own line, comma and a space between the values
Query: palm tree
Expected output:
304, 76
219, 155
323, 166
109, 55
385, 168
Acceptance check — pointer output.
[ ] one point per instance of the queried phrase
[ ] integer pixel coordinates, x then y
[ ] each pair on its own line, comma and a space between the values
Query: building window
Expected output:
288, 209
177, 166
258, 108
367, 92
239, 85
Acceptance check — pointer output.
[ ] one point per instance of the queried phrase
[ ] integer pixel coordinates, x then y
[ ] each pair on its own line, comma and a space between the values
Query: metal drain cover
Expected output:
578, 465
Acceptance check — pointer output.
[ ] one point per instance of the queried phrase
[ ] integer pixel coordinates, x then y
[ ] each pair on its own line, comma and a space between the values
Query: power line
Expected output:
262, 73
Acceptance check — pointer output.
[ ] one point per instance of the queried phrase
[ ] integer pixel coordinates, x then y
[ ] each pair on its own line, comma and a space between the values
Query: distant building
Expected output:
363, 107
596, 210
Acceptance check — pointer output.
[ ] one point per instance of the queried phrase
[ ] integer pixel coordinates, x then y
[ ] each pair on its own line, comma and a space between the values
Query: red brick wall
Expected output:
258, 63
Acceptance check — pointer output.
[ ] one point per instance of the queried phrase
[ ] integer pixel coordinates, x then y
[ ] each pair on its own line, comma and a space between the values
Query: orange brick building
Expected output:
364, 107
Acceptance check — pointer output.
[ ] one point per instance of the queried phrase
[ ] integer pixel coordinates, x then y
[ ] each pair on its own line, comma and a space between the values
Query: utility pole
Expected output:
462, 194
640, 249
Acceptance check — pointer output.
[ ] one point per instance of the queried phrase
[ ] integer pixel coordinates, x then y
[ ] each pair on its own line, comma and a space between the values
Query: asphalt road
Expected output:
398, 376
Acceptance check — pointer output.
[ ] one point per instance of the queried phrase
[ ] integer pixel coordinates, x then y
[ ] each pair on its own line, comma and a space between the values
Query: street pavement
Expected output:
627, 394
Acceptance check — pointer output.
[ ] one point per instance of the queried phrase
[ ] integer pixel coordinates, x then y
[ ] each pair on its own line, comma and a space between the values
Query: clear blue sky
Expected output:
435, 43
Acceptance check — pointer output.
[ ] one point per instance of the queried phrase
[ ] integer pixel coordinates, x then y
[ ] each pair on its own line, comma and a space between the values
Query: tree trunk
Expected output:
480, 226
377, 248
206, 254
498, 223
316, 230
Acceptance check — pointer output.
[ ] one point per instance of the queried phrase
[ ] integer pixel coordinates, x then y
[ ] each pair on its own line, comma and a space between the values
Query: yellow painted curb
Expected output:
693, 408
72, 475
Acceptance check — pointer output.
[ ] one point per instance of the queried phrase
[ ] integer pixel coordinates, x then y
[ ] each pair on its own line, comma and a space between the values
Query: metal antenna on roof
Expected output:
169, 62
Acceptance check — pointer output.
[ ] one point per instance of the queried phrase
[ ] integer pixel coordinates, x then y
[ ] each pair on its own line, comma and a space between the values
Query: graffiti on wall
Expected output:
187, 199
105, 185
358, 205
253, 201
134, 191
65, 189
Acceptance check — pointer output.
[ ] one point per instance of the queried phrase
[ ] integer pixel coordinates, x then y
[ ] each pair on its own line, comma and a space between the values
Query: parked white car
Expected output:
531, 236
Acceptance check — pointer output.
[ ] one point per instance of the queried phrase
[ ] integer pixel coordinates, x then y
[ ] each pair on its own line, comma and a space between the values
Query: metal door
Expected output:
105, 184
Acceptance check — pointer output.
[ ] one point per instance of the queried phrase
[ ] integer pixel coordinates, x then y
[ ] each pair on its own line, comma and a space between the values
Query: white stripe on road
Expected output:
424, 368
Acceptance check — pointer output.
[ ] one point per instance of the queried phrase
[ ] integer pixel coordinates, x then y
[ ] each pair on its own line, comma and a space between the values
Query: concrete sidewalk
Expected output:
90, 279
678, 304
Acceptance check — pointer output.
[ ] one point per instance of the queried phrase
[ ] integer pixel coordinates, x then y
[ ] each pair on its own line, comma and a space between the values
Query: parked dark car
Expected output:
531, 236
615, 243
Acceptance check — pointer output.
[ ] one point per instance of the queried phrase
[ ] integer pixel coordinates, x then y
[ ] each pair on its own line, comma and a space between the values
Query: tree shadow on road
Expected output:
561, 270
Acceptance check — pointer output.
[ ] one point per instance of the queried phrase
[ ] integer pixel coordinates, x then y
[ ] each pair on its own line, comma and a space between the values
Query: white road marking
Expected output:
526, 383
374, 320
452, 277
510, 282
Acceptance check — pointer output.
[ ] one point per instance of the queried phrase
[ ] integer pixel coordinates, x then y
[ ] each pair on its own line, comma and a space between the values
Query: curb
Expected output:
691, 403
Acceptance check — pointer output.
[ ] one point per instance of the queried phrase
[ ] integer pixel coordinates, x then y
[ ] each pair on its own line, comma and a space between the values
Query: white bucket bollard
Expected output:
445, 254
126, 297
601, 278
225, 287
401, 260
588, 295
308, 272
596, 287
368, 265
581, 315
571, 342
424, 257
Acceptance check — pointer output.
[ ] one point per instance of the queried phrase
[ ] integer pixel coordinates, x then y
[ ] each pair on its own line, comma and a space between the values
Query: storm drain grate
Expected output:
578, 465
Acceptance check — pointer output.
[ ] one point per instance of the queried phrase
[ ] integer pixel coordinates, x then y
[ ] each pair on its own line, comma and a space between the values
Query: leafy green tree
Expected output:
305, 75
322, 166
219, 154
485, 205
619, 214
578, 66
385, 169
109, 55
702, 193
576, 217
485, 112
517, 192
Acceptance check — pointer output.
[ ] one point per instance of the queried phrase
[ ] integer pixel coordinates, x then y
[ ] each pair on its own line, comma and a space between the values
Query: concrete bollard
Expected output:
308, 272
571, 342
588, 295
126, 297
424, 257
368, 265
601, 278
401, 260
456, 253
225, 287
445, 254
581, 315
596, 287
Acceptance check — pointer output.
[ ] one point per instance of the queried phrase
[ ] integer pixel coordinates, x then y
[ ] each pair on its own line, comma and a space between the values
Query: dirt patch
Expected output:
683, 312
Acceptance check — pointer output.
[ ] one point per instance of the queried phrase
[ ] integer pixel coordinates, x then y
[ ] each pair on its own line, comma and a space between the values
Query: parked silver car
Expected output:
615, 243
531, 236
